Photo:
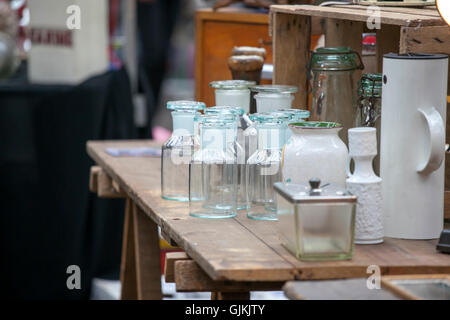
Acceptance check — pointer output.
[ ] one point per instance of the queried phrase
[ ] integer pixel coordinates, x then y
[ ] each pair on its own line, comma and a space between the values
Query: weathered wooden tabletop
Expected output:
240, 249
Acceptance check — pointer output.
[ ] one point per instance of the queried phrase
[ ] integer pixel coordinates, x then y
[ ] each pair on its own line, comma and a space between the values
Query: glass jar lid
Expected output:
274, 88
297, 114
185, 105
370, 85
270, 117
313, 192
218, 120
335, 59
238, 111
232, 84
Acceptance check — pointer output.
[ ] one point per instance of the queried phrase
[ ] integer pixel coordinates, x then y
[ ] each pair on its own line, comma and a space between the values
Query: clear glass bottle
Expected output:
241, 147
264, 166
234, 93
178, 150
213, 170
297, 115
270, 97
333, 90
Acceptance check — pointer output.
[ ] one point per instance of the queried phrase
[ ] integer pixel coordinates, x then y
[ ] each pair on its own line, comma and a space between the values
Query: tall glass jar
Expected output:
264, 166
234, 93
178, 150
333, 92
369, 107
213, 170
241, 146
296, 115
271, 97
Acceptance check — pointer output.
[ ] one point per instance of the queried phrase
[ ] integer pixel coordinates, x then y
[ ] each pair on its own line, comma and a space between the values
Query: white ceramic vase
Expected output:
315, 151
364, 184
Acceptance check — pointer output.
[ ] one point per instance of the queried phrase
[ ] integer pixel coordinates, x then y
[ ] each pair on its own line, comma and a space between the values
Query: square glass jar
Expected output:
316, 222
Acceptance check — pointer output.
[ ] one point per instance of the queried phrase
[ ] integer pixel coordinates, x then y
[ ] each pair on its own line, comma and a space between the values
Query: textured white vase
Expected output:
364, 184
315, 151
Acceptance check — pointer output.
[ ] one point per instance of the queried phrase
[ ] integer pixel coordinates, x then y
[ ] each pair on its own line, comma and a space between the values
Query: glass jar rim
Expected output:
185, 105
225, 110
335, 59
270, 117
316, 125
274, 88
295, 112
232, 84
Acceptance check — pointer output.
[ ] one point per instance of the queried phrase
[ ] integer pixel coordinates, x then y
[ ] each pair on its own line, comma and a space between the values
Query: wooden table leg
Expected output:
230, 295
141, 264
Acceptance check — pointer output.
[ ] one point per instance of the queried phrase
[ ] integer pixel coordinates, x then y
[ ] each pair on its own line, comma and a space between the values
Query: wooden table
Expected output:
229, 257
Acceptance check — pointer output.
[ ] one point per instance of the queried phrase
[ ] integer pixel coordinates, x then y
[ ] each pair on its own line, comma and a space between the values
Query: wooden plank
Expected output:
169, 266
241, 249
93, 178
428, 40
348, 289
105, 187
388, 40
291, 39
447, 204
147, 255
355, 14
189, 277
432, 12
128, 264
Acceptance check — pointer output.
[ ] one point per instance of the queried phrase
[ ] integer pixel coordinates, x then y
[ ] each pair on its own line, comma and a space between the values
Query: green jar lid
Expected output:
370, 85
335, 59
238, 111
185, 105
232, 84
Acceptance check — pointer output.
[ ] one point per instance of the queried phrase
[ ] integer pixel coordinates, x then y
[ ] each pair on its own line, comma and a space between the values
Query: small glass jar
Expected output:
241, 145
178, 150
213, 170
271, 97
297, 115
234, 93
316, 222
333, 90
264, 166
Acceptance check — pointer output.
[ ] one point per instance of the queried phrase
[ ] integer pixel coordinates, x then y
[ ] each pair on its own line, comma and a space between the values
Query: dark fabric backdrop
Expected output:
49, 219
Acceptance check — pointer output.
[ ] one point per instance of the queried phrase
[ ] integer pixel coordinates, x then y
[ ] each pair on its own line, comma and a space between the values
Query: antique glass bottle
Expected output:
178, 150
234, 93
241, 147
264, 166
213, 170
333, 89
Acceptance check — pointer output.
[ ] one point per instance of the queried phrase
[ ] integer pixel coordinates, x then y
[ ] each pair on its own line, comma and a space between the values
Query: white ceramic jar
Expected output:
315, 151
233, 93
364, 184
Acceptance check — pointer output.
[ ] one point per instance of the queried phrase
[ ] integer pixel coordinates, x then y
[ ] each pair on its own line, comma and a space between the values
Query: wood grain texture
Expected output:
359, 14
429, 40
128, 264
447, 205
244, 250
388, 40
106, 188
169, 266
291, 39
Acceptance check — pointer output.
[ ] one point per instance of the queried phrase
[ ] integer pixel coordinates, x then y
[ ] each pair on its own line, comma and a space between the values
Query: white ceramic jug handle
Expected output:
436, 129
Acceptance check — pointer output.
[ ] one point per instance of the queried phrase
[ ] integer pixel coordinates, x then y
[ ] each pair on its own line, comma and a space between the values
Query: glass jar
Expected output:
178, 150
297, 115
241, 146
333, 92
264, 166
316, 222
271, 97
234, 93
213, 170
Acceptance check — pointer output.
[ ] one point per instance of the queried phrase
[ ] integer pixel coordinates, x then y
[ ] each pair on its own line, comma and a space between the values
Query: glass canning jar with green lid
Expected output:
213, 170
333, 86
233, 93
178, 150
264, 166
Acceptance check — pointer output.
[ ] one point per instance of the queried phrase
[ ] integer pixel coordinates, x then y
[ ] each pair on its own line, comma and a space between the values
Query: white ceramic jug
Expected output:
315, 151
412, 144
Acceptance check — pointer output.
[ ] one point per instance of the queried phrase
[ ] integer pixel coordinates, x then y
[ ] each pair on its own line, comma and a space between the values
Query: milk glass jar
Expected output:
271, 97
213, 170
241, 146
234, 93
264, 166
178, 150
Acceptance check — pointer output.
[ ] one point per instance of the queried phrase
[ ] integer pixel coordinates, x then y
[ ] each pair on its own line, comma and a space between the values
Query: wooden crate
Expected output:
402, 30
